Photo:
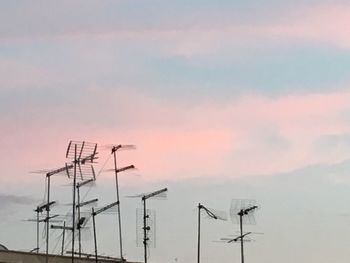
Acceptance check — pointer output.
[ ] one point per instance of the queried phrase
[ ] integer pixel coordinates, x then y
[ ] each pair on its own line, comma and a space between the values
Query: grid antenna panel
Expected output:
241, 204
84, 172
81, 151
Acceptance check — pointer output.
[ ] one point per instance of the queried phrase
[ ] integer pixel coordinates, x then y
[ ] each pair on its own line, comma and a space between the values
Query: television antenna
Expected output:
79, 205
94, 213
151, 227
211, 213
237, 238
242, 211
117, 170
80, 152
79, 224
146, 228
39, 210
48, 174
62, 170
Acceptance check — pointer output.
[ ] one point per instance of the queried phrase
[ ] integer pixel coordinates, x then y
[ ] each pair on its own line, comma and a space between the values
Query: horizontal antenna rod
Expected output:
154, 193
246, 211
239, 237
211, 214
105, 208
125, 168
59, 170
84, 182
44, 206
87, 202
62, 227
116, 148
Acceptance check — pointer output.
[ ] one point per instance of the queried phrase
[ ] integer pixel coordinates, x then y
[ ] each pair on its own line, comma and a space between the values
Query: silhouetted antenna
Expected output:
151, 227
94, 213
79, 224
211, 213
79, 205
116, 171
237, 205
63, 236
49, 173
119, 147
243, 210
114, 149
84, 171
39, 210
146, 228
161, 196
237, 238
80, 153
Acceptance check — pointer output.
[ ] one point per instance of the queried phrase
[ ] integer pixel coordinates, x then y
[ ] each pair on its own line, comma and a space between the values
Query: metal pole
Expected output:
145, 229
47, 218
95, 240
37, 230
79, 233
241, 228
74, 186
119, 215
199, 232
64, 230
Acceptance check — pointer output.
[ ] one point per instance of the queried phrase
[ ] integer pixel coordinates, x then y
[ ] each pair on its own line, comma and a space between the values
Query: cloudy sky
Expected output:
223, 99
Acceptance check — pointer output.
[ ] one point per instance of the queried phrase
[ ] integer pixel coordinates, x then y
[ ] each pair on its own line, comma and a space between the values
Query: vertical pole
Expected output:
95, 240
199, 232
118, 206
74, 186
144, 229
79, 233
241, 228
47, 218
64, 230
37, 230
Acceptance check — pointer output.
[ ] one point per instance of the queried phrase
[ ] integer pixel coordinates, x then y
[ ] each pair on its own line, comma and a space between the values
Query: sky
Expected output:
223, 100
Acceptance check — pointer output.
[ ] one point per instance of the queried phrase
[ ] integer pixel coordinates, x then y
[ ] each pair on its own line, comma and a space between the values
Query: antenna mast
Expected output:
94, 213
79, 205
145, 216
211, 214
80, 152
48, 204
242, 209
115, 148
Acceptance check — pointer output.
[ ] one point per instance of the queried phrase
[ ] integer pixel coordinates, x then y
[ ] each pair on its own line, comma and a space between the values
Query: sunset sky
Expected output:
223, 99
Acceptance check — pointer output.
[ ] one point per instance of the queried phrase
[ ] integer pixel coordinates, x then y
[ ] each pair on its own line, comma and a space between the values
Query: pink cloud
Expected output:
251, 135
325, 23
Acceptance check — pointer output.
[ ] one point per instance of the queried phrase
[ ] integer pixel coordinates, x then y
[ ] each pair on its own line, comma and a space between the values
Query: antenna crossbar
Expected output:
84, 183
43, 207
125, 168
87, 202
239, 237
145, 197
209, 213
105, 208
